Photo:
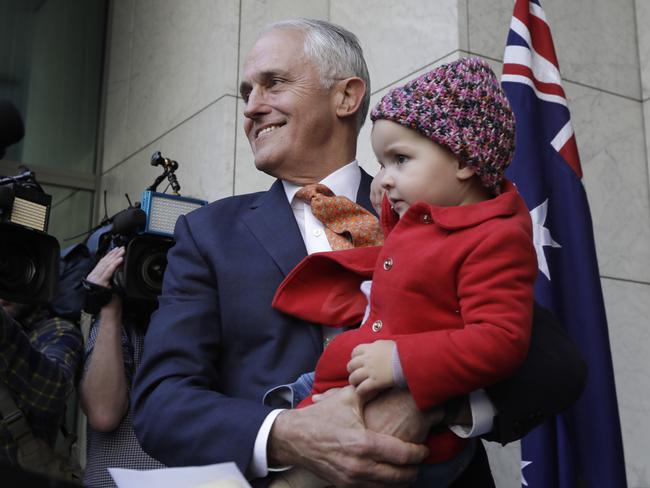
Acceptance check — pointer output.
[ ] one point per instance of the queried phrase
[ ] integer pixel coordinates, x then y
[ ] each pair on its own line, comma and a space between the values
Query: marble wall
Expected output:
172, 72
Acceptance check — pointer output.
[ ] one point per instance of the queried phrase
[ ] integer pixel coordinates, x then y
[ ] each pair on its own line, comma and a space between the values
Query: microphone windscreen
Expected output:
12, 129
129, 221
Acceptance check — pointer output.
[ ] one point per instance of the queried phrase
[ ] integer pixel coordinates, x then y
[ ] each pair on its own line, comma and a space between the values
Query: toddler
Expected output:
451, 300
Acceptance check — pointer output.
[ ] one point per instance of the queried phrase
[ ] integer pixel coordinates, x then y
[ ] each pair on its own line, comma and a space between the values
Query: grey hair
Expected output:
335, 51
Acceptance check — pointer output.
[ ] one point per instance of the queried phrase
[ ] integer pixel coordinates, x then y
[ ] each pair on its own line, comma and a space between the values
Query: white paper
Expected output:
224, 475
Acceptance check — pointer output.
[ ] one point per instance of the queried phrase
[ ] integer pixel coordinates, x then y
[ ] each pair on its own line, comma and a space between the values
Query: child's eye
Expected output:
401, 159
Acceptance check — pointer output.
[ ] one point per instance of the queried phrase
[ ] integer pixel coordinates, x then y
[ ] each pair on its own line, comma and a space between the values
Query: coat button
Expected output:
376, 325
388, 263
425, 218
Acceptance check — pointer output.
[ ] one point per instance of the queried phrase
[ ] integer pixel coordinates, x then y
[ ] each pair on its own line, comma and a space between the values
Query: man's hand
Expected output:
104, 269
330, 439
371, 368
395, 413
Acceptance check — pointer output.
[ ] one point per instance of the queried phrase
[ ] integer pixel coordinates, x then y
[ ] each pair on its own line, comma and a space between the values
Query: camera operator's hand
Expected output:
104, 393
103, 271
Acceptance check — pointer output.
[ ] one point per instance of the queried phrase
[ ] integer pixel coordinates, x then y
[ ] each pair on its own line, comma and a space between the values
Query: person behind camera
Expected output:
113, 352
40, 355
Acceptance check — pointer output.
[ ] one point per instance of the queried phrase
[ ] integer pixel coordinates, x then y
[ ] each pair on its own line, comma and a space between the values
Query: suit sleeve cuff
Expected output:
483, 413
259, 467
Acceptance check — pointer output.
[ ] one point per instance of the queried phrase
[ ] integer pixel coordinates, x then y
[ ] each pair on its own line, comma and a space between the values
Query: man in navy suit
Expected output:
215, 345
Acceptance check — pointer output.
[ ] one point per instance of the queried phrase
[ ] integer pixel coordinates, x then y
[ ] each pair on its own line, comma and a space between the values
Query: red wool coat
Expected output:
452, 286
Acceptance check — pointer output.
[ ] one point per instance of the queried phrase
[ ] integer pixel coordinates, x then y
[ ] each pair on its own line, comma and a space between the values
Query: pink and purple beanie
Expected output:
461, 106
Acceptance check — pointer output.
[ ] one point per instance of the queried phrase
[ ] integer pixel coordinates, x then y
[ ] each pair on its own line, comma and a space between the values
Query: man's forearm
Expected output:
330, 439
104, 397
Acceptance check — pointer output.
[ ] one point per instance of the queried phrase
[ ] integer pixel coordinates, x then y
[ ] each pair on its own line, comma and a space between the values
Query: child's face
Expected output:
416, 169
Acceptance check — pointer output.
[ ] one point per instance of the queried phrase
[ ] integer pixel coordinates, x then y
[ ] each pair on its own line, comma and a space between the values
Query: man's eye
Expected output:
401, 159
275, 81
245, 95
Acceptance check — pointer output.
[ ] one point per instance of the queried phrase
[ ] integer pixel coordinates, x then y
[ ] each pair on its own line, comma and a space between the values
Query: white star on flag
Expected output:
541, 236
523, 465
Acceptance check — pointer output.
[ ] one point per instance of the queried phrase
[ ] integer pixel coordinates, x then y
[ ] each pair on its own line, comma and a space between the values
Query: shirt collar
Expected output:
344, 182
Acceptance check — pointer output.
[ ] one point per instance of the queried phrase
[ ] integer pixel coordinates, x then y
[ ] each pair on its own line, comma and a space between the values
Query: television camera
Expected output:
146, 230
29, 257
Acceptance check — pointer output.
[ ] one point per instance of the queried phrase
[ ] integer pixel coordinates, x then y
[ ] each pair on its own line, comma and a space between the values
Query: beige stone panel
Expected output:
204, 149
611, 142
643, 38
183, 58
399, 38
256, 14
628, 309
463, 25
117, 81
646, 124
71, 216
595, 40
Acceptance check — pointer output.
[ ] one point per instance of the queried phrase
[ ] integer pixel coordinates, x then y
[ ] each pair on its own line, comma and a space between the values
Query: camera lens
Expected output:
153, 269
19, 272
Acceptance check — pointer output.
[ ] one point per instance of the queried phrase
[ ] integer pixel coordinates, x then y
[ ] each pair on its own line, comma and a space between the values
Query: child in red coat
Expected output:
452, 287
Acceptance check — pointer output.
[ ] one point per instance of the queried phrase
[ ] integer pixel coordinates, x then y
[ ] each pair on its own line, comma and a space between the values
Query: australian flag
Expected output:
583, 446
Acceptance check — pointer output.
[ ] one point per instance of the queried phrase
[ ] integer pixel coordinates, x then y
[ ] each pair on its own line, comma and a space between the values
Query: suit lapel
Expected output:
272, 222
363, 195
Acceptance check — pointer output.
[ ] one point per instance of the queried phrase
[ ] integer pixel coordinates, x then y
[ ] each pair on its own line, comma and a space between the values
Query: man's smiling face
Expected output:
288, 114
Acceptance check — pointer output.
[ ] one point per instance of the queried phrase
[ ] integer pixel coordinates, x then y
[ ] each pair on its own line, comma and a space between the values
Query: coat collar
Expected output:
459, 217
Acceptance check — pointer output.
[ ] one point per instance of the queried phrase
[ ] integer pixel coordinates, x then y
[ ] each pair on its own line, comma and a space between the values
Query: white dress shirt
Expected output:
345, 182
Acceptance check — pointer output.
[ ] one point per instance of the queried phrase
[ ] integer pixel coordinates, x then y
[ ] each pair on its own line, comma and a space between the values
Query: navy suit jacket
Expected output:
215, 345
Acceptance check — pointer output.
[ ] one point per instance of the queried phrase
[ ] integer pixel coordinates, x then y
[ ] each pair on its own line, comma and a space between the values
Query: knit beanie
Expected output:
461, 106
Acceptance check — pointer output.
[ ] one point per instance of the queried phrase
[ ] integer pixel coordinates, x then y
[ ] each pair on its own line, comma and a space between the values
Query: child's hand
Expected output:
371, 368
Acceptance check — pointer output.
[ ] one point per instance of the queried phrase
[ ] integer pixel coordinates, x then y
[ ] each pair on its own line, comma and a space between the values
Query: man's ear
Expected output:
349, 96
464, 172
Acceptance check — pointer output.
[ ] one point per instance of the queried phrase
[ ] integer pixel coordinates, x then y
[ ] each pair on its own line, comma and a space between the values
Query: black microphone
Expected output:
129, 221
12, 129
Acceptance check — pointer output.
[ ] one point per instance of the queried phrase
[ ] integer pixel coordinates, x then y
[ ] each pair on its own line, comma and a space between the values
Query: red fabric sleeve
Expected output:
324, 287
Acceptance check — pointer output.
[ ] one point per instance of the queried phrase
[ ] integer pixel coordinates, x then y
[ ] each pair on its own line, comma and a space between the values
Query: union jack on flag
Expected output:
582, 446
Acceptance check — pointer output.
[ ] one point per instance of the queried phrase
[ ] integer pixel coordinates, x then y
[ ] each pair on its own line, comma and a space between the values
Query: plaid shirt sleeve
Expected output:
40, 368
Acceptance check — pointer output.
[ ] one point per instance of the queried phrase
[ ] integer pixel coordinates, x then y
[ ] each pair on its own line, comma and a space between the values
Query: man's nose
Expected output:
256, 104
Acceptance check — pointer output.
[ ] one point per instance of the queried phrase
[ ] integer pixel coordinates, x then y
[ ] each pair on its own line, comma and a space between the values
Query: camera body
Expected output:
29, 257
146, 230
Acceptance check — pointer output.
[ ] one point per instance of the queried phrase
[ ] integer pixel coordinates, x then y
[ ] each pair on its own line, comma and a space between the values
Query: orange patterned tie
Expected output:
347, 224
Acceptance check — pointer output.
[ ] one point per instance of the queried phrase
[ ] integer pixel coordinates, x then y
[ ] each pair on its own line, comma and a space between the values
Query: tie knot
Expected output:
308, 192
346, 223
